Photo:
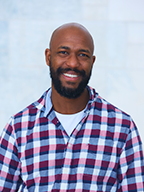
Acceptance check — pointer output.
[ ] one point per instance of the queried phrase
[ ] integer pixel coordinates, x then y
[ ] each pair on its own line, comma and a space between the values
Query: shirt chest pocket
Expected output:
94, 158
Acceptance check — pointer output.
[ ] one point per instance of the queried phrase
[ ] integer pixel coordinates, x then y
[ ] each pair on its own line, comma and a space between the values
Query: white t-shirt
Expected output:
70, 121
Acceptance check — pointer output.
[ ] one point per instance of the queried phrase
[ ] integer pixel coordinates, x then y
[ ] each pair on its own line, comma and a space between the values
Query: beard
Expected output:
70, 93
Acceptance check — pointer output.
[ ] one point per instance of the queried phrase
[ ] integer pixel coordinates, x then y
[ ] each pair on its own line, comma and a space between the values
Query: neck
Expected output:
69, 106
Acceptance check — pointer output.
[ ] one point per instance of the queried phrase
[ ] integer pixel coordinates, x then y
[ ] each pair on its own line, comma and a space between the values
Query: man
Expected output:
71, 139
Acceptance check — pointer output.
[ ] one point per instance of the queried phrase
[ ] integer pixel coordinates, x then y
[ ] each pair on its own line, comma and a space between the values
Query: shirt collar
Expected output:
48, 102
45, 104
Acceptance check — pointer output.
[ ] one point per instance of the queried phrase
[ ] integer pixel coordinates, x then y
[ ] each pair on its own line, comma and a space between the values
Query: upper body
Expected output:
103, 151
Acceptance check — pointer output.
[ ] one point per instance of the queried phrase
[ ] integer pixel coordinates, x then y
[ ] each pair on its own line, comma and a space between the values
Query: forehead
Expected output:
73, 37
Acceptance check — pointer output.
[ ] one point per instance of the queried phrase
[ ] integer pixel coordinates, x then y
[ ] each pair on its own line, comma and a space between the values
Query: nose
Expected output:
73, 61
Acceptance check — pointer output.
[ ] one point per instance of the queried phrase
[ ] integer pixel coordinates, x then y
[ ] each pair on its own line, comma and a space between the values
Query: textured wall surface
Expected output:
118, 31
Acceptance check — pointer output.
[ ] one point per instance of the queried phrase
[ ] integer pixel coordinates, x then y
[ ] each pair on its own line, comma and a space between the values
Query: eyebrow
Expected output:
84, 50
64, 47
67, 48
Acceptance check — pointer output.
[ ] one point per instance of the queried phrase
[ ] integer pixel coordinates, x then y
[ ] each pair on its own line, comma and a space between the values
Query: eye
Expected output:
63, 52
83, 55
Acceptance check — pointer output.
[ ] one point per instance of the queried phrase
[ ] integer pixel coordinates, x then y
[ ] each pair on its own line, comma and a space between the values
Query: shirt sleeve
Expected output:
131, 163
9, 161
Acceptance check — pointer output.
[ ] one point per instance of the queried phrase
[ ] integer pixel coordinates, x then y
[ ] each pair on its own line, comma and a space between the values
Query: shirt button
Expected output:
69, 145
66, 171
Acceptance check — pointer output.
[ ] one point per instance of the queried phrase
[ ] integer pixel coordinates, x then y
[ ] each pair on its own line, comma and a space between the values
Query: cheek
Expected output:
56, 63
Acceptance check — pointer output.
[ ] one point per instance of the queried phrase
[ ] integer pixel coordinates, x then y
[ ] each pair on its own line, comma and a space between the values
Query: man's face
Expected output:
70, 93
70, 59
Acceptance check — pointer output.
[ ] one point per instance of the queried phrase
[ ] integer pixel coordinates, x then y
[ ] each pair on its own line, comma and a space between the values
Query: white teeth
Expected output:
70, 75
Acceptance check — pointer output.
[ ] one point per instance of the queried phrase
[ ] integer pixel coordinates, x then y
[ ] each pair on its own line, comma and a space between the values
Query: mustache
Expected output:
80, 72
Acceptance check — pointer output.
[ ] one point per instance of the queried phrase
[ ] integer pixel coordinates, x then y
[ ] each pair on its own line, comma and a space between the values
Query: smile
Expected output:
70, 75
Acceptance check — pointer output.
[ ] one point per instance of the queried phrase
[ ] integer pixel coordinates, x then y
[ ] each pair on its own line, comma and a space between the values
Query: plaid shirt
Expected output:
103, 153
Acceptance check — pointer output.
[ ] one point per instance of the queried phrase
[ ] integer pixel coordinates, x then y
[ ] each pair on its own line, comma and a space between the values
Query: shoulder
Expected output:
26, 117
112, 113
33, 107
103, 104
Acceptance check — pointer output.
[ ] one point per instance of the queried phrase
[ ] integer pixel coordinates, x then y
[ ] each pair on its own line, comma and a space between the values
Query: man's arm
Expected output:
131, 163
9, 161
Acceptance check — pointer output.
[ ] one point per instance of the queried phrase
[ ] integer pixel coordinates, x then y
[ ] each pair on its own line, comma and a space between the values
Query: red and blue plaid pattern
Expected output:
103, 153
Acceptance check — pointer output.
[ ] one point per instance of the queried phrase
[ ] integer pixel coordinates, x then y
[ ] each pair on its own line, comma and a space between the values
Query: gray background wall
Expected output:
117, 28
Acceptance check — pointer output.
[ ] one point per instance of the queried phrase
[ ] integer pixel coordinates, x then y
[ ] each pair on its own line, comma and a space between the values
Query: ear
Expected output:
47, 56
93, 59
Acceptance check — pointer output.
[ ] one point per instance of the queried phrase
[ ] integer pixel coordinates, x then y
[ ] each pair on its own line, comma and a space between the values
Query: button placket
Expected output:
66, 166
